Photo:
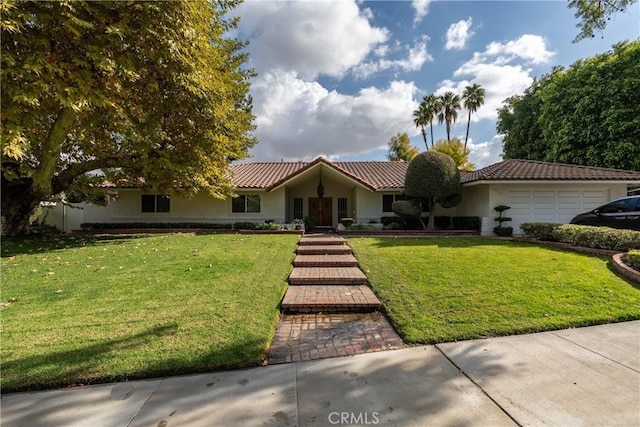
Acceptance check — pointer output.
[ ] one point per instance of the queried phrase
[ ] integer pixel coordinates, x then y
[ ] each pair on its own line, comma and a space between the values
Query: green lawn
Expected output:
96, 309
445, 289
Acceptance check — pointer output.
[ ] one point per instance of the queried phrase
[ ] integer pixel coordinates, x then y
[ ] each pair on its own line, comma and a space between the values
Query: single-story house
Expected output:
364, 191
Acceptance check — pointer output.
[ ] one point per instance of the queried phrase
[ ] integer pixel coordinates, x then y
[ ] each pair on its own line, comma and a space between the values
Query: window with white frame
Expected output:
388, 199
156, 203
246, 203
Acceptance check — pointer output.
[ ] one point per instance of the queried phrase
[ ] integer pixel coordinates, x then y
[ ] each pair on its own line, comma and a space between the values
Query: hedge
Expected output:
441, 222
585, 235
143, 225
633, 259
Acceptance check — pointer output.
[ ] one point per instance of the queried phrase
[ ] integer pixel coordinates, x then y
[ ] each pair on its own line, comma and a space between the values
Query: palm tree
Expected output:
420, 119
432, 109
473, 98
450, 104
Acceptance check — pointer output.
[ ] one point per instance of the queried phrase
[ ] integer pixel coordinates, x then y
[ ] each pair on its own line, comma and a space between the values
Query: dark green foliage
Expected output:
406, 223
588, 114
632, 259
408, 210
143, 225
394, 226
432, 178
598, 237
466, 222
539, 230
432, 174
500, 230
584, 235
442, 222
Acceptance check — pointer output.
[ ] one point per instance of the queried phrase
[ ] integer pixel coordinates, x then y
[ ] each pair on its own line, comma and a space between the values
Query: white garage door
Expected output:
550, 205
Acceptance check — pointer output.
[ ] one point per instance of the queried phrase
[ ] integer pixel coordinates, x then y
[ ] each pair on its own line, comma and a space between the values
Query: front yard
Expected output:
80, 310
446, 289
95, 309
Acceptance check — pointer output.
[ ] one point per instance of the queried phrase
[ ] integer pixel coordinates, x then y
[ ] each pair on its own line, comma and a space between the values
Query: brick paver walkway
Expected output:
327, 276
330, 298
329, 308
317, 336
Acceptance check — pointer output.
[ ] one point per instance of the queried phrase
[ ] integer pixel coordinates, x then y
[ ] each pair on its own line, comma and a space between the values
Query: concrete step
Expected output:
327, 276
321, 240
323, 250
325, 261
330, 299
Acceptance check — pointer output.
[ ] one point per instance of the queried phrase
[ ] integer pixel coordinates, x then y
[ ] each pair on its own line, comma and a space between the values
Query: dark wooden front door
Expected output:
320, 210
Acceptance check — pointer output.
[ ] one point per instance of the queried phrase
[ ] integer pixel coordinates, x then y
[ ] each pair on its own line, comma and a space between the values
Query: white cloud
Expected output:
458, 34
529, 47
298, 119
485, 153
313, 38
417, 55
421, 8
503, 70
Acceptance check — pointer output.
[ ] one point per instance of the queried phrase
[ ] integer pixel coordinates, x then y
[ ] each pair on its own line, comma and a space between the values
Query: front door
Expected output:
320, 210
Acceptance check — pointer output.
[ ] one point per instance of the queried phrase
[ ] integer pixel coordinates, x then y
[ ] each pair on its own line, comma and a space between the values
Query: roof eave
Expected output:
549, 181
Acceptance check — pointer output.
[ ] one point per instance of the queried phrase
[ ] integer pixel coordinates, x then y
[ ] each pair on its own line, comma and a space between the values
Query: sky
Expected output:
339, 78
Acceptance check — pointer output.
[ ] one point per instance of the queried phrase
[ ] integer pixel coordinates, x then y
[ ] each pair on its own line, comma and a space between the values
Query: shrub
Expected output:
386, 220
393, 226
598, 237
443, 222
539, 230
633, 259
466, 222
143, 225
503, 231
245, 226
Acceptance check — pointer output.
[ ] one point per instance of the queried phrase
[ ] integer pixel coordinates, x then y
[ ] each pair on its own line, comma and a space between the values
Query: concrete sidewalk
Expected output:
586, 376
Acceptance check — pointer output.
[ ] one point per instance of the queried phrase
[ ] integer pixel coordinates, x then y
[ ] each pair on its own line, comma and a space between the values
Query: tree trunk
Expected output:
467, 135
18, 204
431, 125
424, 136
432, 215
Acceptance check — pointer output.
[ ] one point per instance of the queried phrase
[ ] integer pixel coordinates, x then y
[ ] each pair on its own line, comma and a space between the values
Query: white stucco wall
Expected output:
200, 208
64, 217
535, 202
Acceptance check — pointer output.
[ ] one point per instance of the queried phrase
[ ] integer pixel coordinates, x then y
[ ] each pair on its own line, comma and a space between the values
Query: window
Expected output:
619, 206
156, 203
297, 208
388, 199
342, 208
245, 203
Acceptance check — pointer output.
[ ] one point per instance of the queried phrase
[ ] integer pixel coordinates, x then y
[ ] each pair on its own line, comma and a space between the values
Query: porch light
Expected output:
320, 187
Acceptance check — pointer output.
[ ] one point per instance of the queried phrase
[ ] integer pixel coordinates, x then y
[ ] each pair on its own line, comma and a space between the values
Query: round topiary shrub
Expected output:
432, 173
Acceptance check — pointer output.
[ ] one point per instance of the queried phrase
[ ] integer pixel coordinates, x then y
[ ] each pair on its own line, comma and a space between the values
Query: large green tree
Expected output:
593, 15
432, 178
472, 99
144, 90
400, 148
588, 114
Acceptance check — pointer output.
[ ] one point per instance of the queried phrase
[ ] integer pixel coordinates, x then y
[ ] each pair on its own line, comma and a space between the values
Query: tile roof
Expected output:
269, 175
383, 175
529, 170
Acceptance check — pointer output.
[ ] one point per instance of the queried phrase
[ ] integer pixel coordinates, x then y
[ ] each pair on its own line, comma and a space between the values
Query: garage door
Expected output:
550, 205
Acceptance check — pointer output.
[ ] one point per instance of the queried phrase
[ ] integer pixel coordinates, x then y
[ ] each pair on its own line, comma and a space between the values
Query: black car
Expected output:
621, 213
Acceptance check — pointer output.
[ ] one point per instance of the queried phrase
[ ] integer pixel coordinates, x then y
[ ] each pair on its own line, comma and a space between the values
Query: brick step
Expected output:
330, 299
325, 261
327, 276
322, 240
323, 250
